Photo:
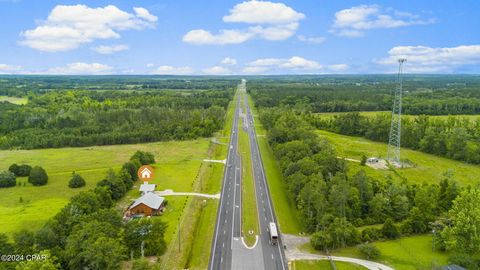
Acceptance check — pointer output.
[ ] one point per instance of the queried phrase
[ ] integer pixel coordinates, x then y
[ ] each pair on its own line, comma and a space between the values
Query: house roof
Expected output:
145, 187
150, 199
453, 267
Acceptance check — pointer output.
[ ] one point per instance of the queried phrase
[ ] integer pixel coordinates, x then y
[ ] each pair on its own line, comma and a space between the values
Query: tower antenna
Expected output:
393, 151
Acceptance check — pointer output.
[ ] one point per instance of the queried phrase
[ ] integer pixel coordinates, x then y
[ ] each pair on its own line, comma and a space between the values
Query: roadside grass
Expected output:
428, 168
285, 210
14, 100
198, 216
176, 162
324, 265
406, 253
249, 206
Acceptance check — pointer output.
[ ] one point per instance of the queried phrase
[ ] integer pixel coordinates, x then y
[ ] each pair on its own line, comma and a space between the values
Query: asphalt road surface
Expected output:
228, 250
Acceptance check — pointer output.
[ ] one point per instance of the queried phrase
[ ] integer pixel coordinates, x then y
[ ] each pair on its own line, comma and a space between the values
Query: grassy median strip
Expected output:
249, 206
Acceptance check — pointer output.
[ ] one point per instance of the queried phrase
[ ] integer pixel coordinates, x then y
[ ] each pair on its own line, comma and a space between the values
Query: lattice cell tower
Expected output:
393, 152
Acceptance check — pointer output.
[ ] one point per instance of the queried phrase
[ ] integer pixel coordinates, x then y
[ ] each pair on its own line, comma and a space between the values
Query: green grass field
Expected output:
324, 265
176, 167
287, 215
14, 100
407, 253
249, 206
428, 168
372, 114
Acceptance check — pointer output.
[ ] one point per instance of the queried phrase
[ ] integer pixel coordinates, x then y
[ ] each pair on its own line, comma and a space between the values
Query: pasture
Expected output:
428, 168
29, 207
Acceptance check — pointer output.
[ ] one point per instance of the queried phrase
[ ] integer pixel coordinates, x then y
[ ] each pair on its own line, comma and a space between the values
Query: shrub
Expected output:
321, 240
144, 157
76, 181
390, 230
369, 251
7, 179
24, 170
38, 176
14, 168
363, 162
371, 234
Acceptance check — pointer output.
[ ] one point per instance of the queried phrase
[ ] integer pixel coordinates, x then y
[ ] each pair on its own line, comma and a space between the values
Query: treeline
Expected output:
88, 233
83, 118
453, 137
17, 85
333, 204
425, 96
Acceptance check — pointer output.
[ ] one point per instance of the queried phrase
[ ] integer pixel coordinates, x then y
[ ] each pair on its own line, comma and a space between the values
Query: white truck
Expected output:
273, 233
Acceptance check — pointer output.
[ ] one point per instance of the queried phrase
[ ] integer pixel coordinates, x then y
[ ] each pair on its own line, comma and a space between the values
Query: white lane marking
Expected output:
233, 216
224, 231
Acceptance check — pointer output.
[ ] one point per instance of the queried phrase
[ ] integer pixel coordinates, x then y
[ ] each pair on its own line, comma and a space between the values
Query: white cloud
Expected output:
293, 63
352, 22
145, 14
68, 27
217, 70
263, 12
268, 20
423, 59
255, 70
9, 69
171, 70
338, 67
110, 49
150, 65
200, 36
80, 68
229, 61
314, 40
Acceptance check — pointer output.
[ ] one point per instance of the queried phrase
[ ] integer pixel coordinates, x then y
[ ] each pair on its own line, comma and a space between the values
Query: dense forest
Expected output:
453, 137
430, 95
58, 118
334, 203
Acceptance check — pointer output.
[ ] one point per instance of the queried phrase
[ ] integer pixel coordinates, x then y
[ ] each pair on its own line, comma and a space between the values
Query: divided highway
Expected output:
228, 250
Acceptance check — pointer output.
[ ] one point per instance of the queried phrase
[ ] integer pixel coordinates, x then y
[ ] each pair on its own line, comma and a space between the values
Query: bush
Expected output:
7, 179
321, 240
14, 168
20, 170
363, 162
371, 234
144, 157
24, 170
76, 181
38, 176
369, 251
390, 230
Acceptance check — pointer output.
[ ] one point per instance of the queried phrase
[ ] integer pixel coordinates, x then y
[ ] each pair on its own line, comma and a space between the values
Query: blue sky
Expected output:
238, 37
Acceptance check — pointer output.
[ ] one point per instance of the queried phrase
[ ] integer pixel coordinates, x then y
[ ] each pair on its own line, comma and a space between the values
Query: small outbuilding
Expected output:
150, 204
146, 188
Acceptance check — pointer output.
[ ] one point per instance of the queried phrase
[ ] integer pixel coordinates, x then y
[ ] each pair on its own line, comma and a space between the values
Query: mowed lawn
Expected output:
14, 100
176, 168
406, 253
428, 168
324, 265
